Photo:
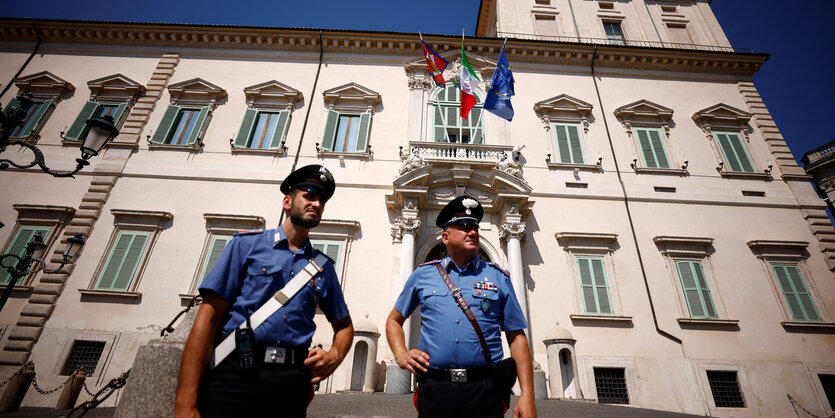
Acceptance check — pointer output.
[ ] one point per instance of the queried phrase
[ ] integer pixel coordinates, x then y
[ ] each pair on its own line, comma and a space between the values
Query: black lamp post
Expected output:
32, 254
99, 131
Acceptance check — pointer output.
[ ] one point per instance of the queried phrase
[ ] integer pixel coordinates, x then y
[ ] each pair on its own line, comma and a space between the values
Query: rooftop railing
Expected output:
622, 42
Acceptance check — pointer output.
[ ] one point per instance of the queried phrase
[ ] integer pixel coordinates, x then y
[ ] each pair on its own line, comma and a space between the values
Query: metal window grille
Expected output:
611, 385
725, 388
83, 356
828, 383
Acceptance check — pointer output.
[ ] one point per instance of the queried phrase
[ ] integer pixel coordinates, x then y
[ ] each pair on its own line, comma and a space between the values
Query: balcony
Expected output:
619, 42
451, 152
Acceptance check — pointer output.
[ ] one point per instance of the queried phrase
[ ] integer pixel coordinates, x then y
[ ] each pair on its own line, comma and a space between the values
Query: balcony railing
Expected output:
825, 151
620, 42
455, 152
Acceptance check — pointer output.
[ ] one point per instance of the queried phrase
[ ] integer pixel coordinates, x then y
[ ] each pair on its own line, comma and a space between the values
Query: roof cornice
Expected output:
181, 36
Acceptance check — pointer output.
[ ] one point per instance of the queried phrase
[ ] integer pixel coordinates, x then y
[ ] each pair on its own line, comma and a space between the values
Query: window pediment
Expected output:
44, 85
722, 114
644, 110
778, 250
351, 96
587, 241
564, 108
225, 223
272, 95
675, 245
196, 92
114, 87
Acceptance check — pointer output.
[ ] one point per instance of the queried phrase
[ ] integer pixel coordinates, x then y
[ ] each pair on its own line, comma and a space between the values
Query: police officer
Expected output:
454, 378
272, 376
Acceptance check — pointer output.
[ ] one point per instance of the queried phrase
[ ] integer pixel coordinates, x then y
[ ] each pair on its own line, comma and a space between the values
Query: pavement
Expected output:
380, 405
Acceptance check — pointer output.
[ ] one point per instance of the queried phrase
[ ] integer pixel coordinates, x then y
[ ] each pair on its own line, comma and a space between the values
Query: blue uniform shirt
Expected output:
445, 333
256, 265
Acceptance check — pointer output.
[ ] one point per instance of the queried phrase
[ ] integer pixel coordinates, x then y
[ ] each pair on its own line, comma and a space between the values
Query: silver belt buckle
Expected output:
458, 375
275, 355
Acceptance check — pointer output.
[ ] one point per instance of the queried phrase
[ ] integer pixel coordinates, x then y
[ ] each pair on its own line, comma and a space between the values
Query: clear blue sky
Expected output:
796, 83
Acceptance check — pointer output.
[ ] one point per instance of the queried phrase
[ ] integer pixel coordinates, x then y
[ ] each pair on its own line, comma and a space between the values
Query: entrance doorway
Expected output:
359, 366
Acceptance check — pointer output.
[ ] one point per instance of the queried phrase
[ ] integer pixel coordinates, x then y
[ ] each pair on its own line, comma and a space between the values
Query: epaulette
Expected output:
316, 252
496, 266
430, 262
249, 232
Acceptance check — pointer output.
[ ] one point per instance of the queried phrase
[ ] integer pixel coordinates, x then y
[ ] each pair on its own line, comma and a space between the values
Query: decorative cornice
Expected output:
168, 36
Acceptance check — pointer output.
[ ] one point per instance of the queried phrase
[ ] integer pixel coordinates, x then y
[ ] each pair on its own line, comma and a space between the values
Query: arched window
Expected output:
447, 124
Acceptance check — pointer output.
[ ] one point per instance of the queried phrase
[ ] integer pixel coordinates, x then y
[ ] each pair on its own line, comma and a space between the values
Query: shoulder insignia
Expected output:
430, 262
496, 266
249, 232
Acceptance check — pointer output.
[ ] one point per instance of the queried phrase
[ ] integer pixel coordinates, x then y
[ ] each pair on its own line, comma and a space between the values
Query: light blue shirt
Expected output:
253, 267
445, 333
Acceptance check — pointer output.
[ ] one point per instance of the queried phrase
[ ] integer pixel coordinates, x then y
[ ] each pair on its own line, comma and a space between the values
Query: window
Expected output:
828, 385
569, 143
346, 132
614, 33
184, 122
84, 356
593, 286
180, 126
334, 238
78, 129
33, 117
127, 253
611, 385
332, 249
734, 153
797, 296
725, 389
263, 129
652, 148
696, 291
18, 247
215, 250
447, 122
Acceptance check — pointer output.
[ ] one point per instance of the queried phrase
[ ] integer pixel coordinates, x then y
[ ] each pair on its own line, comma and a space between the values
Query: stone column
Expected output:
513, 233
398, 381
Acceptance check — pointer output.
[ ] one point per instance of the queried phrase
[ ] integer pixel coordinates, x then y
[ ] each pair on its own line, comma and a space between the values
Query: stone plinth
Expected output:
398, 381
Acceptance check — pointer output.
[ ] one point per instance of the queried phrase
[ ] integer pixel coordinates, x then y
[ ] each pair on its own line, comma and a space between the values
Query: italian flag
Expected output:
468, 81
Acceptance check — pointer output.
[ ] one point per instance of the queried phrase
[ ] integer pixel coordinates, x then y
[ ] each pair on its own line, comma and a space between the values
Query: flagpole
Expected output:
421, 36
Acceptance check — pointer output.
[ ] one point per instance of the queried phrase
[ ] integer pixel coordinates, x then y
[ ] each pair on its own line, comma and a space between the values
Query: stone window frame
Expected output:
218, 224
351, 98
545, 9
812, 371
192, 93
114, 89
681, 248
42, 86
652, 116
587, 364
65, 343
55, 217
700, 369
271, 96
724, 118
127, 220
566, 109
601, 245
770, 252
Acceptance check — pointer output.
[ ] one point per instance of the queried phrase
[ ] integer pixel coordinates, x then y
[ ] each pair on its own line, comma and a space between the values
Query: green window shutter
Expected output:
332, 249
576, 145
658, 148
36, 119
123, 261
330, 130
797, 295
600, 286
646, 148
438, 122
280, 129
364, 131
79, 126
587, 286
741, 154
117, 114
218, 245
247, 125
166, 124
696, 291
562, 143
736, 157
18, 247
198, 126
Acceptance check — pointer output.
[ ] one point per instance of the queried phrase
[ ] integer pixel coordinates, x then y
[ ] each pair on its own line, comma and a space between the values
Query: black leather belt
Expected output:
275, 356
461, 375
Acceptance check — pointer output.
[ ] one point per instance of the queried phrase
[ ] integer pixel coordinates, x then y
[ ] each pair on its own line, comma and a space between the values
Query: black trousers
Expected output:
435, 398
267, 391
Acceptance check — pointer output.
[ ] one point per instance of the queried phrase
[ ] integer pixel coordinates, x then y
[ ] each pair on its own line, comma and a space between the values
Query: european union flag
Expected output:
501, 88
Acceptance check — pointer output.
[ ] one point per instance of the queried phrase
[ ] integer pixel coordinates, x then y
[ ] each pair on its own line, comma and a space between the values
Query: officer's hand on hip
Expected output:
414, 360
183, 412
320, 363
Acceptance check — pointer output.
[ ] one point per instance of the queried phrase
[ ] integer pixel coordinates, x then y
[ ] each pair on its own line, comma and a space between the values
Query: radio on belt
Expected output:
245, 341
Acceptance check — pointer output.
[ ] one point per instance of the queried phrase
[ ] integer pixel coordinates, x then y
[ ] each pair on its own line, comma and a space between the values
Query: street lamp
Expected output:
32, 254
99, 131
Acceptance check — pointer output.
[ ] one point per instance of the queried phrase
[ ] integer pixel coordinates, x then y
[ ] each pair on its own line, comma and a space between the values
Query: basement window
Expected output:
753, 193
725, 388
611, 385
84, 356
